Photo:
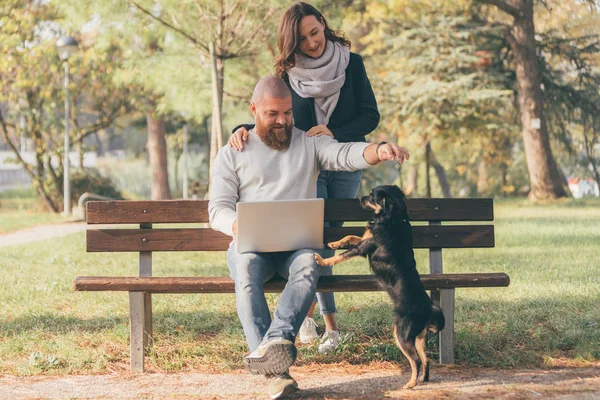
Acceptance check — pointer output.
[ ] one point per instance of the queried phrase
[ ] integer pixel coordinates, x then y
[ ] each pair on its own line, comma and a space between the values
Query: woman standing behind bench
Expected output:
331, 95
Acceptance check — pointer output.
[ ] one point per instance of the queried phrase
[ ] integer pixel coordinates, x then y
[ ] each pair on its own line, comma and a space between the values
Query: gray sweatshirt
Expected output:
259, 173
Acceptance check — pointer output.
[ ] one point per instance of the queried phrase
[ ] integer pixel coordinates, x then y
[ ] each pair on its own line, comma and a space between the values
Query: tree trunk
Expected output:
157, 153
590, 143
207, 124
216, 134
399, 181
43, 170
80, 155
441, 174
427, 163
482, 179
504, 169
543, 169
413, 175
176, 172
50, 204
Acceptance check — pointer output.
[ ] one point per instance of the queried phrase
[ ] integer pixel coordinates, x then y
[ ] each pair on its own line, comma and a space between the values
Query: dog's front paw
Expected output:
319, 260
410, 385
334, 245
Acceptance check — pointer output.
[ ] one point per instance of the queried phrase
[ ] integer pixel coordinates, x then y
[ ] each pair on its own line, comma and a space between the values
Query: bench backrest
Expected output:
433, 236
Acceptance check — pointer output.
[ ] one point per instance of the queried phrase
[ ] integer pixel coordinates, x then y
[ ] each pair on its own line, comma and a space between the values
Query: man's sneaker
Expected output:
308, 331
282, 385
273, 357
329, 341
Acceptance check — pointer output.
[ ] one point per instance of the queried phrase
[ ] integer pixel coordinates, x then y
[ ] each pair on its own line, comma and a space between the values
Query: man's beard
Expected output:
277, 139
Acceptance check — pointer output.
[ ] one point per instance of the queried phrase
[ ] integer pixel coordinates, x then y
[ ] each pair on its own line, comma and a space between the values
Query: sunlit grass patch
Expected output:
547, 316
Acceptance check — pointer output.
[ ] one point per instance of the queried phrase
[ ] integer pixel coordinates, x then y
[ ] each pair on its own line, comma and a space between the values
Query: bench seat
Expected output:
224, 284
109, 231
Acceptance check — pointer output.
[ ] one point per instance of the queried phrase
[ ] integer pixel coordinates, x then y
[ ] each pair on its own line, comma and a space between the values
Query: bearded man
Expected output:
281, 163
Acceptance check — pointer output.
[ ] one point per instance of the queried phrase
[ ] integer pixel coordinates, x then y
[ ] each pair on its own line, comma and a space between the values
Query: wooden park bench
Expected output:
145, 240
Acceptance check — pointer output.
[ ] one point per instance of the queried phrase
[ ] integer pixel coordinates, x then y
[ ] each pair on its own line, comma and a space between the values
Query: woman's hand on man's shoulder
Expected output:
236, 141
319, 130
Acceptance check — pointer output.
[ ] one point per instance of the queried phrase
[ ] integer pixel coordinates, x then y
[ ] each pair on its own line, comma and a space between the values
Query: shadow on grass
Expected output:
57, 324
539, 243
367, 388
203, 322
442, 382
492, 333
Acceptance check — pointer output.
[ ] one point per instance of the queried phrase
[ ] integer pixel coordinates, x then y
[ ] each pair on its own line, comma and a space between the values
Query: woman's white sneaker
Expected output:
308, 331
329, 341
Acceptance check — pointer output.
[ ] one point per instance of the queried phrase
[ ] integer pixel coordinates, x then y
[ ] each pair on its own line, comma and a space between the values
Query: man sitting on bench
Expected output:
279, 162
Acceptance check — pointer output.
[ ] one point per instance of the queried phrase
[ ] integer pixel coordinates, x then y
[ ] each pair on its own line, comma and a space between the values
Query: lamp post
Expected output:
65, 46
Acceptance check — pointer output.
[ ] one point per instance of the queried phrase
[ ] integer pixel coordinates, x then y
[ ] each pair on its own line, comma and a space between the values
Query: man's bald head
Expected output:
270, 86
272, 109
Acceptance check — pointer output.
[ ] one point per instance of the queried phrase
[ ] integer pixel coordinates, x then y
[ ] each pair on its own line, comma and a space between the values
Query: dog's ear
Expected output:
394, 203
403, 210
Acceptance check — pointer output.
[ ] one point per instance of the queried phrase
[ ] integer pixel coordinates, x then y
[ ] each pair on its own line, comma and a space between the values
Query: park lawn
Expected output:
14, 220
548, 316
19, 209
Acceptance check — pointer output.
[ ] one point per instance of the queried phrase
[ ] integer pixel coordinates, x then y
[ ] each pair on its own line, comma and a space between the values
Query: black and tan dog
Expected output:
387, 243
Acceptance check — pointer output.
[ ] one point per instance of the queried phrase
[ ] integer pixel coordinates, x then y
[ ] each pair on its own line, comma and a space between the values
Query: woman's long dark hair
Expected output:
287, 36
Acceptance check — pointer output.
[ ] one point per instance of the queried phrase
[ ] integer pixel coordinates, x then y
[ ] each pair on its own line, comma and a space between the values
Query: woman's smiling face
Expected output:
311, 34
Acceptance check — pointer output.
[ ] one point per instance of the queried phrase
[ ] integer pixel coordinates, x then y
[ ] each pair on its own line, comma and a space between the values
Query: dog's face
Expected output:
387, 202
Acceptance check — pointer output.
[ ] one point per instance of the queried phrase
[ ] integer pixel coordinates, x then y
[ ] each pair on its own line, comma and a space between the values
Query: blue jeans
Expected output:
250, 270
335, 185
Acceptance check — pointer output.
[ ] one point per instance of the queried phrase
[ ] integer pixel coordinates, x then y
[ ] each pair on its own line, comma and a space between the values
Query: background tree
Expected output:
143, 42
170, 56
32, 90
569, 57
440, 85
444, 75
545, 177
393, 38
220, 31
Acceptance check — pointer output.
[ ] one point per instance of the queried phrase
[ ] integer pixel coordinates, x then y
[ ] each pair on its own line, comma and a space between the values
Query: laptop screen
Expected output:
284, 225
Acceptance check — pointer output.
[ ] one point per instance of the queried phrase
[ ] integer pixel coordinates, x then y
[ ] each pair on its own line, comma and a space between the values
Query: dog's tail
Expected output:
436, 320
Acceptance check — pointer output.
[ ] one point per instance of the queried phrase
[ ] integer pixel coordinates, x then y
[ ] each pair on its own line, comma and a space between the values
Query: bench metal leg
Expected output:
140, 305
447, 334
140, 327
445, 299
148, 332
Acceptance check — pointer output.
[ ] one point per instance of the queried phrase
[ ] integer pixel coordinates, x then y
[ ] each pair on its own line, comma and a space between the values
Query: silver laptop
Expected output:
284, 225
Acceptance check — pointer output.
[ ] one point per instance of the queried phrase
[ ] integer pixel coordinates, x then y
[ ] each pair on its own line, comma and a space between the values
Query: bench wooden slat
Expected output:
195, 211
420, 209
146, 240
205, 239
224, 284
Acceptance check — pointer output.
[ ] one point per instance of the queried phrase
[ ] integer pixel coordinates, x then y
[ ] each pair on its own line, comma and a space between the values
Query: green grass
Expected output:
14, 220
20, 209
549, 315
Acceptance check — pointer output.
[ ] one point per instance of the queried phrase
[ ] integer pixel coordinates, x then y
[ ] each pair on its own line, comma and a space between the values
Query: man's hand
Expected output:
319, 130
375, 153
389, 151
234, 227
238, 138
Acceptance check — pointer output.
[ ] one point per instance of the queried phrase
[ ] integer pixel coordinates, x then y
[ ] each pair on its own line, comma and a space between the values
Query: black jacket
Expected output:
355, 114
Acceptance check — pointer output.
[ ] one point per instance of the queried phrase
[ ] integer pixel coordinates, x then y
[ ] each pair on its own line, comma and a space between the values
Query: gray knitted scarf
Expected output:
321, 78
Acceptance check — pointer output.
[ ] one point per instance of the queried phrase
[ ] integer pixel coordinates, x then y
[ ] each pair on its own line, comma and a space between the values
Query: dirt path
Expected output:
334, 383
41, 232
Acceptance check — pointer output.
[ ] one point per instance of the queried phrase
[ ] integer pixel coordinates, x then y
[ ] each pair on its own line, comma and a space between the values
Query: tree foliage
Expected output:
32, 90
440, 78
445, 72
